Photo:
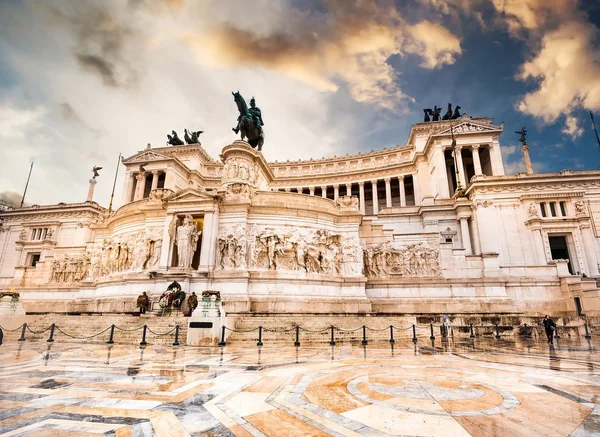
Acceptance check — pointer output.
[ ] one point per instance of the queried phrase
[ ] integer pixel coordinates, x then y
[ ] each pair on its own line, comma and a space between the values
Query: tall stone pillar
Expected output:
476, 160
538, 241
416, 189
324, 191
375, 197
154, 180
402, 191
442, 174
466, 237
90, 195
461, 167
361, 197
388, 193
336, 192
209, 241
167, 244
527, 159
348, 189
590, 251
476, 247
128, 188
139, 186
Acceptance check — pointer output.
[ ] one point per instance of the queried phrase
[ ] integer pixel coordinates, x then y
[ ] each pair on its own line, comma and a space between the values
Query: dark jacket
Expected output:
549, 324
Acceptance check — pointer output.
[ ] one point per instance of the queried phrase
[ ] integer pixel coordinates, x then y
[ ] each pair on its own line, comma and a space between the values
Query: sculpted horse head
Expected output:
240, 102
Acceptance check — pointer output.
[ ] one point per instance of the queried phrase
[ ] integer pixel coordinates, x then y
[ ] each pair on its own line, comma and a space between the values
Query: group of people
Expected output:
143, 302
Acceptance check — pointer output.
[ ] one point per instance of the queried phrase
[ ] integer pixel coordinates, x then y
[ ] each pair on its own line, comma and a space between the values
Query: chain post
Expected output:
431, 337
332, 342
392, 341
143, 342
176, 342
51, 338
297, 342
112, 334
222, 343
414, 339
23, 332
364, 340
472, 333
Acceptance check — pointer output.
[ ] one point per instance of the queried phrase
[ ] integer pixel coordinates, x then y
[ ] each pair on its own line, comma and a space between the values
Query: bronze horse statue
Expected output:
249, 123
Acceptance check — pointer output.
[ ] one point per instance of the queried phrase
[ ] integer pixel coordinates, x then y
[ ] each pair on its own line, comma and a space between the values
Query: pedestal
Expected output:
10, 306
206, 323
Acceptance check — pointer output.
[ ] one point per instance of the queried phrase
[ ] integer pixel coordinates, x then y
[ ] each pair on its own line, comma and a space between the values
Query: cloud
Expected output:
17, 123
349, 45
10, 198
567, 70
572, 127
533, 15
434, 43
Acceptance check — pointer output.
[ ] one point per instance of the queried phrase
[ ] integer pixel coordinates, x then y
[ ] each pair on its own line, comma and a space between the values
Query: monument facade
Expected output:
430, 227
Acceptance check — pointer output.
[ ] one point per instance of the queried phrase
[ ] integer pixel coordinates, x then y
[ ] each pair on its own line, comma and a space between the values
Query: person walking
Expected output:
192, 302
142, 302
549, 327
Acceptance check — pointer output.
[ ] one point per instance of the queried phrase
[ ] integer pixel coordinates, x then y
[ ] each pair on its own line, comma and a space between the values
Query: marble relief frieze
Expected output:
414, 260
290, 249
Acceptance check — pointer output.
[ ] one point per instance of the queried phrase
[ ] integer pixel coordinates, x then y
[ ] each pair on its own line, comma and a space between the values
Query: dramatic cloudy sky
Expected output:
81, 81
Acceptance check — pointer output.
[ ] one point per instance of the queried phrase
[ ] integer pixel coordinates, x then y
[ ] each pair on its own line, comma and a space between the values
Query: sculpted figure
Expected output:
249, 122
186, 241
155, 257
448, 114
532, 211
580, 207
456, 113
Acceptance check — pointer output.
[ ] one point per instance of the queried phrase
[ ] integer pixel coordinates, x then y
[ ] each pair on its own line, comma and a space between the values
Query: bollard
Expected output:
364, 340
1, 336
112, 333
332, 342
222, 343
297, 342
472, 333
176, 342
414, 334
51, 338
260, 343
431, 337
23, 332
392, 341
143, 342
497, 332
587, 332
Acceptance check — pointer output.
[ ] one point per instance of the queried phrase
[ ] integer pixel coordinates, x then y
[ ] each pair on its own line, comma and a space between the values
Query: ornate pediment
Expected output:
468, 127
146, 156
190, 194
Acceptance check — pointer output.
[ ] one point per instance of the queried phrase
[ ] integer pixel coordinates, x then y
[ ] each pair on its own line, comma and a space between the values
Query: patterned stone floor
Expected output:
473, 387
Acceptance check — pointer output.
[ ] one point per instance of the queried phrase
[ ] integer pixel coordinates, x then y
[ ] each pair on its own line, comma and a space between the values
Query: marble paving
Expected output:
463, 388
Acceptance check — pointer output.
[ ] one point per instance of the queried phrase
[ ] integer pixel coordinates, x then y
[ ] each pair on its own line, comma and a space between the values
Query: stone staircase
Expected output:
128, 329
317, 329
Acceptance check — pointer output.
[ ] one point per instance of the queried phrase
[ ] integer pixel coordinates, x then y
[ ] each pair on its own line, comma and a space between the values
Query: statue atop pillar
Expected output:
186, 240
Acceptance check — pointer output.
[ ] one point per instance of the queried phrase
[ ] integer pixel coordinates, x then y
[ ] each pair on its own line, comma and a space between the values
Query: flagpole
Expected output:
112, 196
595, 130
27, 184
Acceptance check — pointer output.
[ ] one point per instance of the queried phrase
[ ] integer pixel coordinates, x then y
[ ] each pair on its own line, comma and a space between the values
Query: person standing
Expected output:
142, 302
549, 327
192, 302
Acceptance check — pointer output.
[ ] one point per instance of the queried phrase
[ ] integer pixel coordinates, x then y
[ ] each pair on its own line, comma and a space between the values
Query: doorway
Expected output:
559, 249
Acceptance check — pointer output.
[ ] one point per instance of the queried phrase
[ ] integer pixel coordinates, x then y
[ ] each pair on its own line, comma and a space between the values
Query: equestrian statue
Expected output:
249, 122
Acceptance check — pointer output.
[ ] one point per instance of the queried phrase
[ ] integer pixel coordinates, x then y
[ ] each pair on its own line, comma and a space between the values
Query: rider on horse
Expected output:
255, 113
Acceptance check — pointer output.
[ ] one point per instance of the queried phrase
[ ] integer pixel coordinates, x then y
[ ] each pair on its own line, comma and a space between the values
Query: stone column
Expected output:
402, 191
90, 195
466, 237
139, 186
154, 180
476, 160
590, 251
287, 190
538, 241
361, 196
128, 188
311, 191
388, 193
528, 166
461, 167
324, 191
336, 192
208, 245
348, 189
375, 197
416, 189
167, 245
476, 247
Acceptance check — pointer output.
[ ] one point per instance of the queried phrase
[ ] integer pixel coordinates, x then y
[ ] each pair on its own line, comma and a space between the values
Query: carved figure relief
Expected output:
580, 207
413, 260
532, 211
186, 240
347, 202
70, 268
288, 249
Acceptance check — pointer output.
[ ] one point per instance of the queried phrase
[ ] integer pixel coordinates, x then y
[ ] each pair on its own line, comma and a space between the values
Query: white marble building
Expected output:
385, 231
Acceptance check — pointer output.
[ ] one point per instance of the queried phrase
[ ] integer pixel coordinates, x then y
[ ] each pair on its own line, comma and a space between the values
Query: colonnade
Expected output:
138, 180
346, 190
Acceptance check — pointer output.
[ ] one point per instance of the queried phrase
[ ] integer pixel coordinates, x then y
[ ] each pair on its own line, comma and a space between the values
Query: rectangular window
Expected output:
34, 259
543, 208
563, 209
552, 209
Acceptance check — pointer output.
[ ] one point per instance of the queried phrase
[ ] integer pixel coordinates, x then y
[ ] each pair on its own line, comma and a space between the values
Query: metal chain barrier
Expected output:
163, 333
11, 330
39, 332
129, 330
81, 338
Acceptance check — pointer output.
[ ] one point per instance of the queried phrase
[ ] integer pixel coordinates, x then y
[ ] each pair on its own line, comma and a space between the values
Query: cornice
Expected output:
49, 212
